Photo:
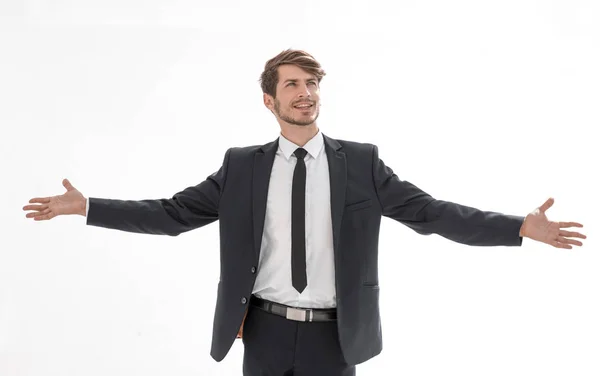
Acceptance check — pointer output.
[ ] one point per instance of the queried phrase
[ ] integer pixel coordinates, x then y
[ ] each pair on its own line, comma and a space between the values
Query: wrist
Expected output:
522, 229
83, 207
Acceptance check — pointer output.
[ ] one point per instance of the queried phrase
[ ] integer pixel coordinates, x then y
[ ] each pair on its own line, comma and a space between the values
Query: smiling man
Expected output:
301, 109
299, 223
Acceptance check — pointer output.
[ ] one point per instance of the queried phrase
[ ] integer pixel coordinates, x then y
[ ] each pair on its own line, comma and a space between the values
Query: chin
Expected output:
307, 123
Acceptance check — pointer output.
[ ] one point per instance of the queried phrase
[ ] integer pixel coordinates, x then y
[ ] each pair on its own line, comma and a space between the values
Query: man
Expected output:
299, 222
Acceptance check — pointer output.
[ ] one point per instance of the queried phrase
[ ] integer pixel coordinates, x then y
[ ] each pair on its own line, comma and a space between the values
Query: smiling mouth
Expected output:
304, 106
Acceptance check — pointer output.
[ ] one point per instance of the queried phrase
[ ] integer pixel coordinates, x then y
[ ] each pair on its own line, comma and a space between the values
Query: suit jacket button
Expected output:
244, 300
253, 270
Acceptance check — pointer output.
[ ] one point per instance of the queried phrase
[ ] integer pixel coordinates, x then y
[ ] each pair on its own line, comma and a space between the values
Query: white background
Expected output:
489, 104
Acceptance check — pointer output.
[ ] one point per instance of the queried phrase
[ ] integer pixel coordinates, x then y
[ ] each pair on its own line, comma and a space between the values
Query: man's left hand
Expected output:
537, 227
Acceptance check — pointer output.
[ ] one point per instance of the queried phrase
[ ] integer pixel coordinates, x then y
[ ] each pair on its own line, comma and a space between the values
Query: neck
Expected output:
299, 135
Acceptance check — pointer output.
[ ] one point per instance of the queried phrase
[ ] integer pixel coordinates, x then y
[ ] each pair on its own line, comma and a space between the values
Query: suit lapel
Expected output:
337, 181
261, 174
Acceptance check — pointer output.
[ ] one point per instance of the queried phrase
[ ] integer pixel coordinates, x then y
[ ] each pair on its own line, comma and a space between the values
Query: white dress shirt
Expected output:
274, 274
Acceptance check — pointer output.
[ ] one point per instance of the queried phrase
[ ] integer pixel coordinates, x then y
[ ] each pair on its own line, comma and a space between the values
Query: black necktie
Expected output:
298, 227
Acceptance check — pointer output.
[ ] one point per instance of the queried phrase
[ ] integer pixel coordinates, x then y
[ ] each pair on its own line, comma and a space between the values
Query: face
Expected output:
296, 100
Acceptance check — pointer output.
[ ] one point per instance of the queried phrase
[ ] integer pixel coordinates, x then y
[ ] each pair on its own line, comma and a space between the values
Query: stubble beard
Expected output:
291, 120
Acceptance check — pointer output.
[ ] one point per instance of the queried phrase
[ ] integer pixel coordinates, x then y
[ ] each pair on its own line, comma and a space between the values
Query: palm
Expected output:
71, 202
538, 227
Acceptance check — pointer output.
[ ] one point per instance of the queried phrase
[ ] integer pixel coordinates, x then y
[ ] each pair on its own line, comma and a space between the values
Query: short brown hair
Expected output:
270, 77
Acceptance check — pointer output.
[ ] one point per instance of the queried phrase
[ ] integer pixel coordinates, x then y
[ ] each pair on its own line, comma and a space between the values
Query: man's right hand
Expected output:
72, 202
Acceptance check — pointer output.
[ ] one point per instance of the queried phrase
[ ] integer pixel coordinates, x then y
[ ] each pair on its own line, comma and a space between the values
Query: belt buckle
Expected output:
296, 314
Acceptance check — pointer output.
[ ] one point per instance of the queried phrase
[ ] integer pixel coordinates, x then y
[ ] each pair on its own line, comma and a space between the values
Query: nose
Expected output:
304, 92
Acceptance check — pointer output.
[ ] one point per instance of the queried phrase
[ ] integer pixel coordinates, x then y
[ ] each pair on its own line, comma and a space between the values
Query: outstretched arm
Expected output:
191, 208
406, 203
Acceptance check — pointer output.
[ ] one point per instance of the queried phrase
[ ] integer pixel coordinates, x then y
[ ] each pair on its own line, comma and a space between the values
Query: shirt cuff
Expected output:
87, 208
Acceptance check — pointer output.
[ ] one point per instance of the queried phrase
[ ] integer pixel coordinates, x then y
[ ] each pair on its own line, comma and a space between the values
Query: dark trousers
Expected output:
276, 346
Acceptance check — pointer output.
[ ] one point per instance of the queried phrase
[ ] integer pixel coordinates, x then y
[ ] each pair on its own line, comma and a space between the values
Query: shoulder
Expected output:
350, 146
247, 153
356, 145
240, 151
251, 150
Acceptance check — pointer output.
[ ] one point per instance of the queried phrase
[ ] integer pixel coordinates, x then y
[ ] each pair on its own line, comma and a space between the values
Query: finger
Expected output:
40, 200
33, 214
43, 217
569, 224
558, 244
569, 241
546, 205
38, 214
572, 234
35, 207
67, 184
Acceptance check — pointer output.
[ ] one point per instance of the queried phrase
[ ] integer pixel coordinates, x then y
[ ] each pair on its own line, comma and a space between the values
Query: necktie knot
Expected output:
300, 153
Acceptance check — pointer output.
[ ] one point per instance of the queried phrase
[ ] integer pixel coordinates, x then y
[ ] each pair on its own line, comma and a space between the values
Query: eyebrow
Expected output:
296, 80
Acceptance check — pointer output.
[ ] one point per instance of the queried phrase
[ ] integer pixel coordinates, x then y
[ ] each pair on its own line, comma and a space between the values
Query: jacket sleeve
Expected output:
406, 203
191, 208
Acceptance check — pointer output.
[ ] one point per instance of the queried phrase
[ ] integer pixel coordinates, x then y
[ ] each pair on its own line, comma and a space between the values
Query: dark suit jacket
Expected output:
363, 189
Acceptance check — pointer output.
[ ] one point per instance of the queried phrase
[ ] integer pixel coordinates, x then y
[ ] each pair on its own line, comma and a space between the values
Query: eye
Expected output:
291, 83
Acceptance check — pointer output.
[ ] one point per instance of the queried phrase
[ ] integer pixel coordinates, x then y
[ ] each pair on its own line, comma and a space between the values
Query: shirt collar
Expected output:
313, 146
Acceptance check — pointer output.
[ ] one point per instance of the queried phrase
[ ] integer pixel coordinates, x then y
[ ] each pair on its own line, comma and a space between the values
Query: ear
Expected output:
268, 101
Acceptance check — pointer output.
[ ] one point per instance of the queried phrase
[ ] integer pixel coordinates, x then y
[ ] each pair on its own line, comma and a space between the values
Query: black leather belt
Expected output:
292, 313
